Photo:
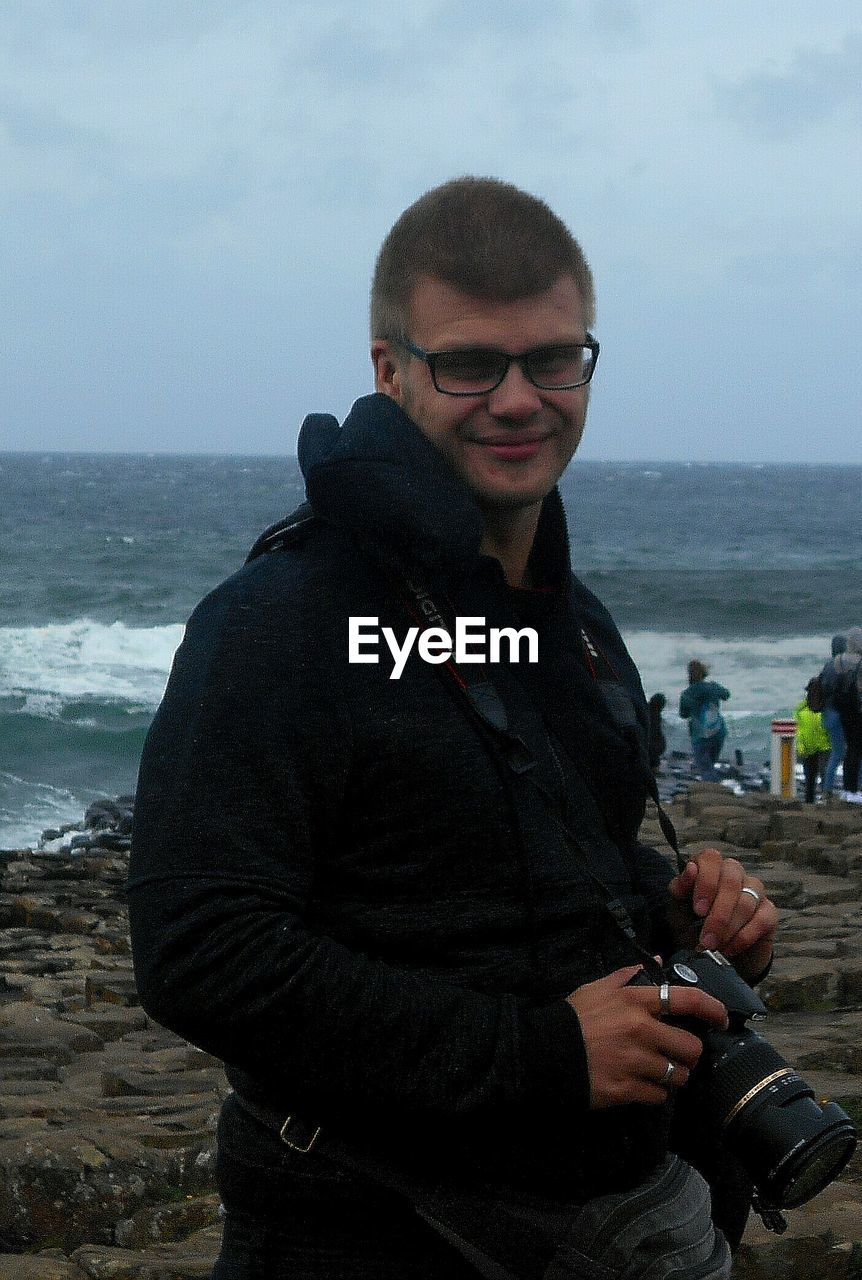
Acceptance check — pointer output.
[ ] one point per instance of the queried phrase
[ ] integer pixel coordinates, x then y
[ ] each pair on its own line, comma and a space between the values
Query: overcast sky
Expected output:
193, 192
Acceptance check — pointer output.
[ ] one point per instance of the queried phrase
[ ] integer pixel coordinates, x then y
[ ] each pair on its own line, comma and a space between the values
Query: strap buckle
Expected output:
297, 1143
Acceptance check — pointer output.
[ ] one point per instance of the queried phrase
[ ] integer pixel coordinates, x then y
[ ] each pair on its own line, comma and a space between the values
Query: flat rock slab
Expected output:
108, 1021
793, 1257
41, 1267
164, 1223
169, 1263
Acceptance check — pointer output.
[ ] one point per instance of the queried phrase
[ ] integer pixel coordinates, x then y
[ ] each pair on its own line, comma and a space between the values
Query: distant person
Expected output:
847, 699
812, 740
657, 742
699, 705
831, 718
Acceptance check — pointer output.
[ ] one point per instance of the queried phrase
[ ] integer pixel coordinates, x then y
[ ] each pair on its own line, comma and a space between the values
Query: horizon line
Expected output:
575, 461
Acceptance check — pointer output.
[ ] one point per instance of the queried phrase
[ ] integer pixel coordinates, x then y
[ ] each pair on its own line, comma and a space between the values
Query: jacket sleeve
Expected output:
829, 677
684, 704
239, 809
803, 730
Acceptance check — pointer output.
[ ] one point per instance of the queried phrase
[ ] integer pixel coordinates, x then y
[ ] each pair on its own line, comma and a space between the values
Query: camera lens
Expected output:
791, 1145
819, 1163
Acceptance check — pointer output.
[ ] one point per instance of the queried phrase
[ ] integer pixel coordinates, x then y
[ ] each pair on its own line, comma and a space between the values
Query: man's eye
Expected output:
557, 362
469, 366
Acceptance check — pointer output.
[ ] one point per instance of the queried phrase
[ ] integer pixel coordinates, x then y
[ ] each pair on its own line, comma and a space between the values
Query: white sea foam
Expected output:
27, 807
54, 664
765, 677
84, 659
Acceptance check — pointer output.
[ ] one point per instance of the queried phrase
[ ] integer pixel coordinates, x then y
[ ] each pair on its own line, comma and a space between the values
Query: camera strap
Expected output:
572, 794
485, 704
662, 1227
483, 698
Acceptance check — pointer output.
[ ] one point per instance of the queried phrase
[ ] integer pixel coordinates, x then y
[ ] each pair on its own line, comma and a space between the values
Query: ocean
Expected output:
103, 557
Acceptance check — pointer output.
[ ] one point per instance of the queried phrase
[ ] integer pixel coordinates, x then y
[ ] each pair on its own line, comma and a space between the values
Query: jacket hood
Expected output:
854, 640
381, 479
839, 645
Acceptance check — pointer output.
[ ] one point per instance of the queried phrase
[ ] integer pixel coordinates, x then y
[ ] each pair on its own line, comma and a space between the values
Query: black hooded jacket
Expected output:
332, 888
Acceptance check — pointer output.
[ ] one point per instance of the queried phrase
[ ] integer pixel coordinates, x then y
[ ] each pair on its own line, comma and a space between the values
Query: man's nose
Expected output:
516, 397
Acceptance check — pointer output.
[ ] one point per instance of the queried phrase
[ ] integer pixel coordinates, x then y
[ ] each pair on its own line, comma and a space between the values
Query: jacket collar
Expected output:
381, 479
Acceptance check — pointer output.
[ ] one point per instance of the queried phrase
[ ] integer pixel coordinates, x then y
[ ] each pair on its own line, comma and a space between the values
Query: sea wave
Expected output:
27, 807
45, 671
76, 701
766, 677
55, 767
741, 601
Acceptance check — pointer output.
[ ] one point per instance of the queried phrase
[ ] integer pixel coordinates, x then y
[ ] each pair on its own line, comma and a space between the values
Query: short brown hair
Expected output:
482, 236
697, 670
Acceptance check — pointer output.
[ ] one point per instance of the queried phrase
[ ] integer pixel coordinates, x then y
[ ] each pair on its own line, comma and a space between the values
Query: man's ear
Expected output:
387, 370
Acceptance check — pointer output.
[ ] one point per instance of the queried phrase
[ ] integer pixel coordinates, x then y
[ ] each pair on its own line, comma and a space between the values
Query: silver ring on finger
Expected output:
664, 1000
752, 893
668, 1074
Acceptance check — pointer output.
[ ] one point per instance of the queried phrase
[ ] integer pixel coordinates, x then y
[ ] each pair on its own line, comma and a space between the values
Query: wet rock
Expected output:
802, 1257
792, 825
192, 1260
801, 983
40, 1267
108, 1021
747, 831
158, 1224
107, 1121
851, 982
783, 850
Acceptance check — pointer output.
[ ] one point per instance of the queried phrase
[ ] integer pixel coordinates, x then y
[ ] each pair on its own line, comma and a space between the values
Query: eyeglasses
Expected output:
474, 371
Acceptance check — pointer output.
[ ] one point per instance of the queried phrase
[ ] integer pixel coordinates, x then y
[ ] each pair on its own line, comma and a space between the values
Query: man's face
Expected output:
509, 445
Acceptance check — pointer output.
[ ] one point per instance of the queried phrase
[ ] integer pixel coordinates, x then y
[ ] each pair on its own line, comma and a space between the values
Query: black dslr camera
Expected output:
790, 1145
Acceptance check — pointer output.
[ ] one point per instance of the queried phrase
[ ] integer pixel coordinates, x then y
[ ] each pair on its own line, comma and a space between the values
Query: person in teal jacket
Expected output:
812, 744
699, 705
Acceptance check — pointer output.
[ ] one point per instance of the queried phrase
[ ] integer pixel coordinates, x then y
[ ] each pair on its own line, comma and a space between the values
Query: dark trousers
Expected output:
852, 726
705, 753
812, 767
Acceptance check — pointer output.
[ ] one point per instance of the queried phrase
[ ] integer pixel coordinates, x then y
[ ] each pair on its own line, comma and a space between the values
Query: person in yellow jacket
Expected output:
812, 743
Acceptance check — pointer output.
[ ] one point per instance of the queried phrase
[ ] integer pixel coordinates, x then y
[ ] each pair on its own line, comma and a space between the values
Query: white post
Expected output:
783, 761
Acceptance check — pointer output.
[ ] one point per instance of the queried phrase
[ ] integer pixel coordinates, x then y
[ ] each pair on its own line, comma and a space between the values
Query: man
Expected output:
388, 904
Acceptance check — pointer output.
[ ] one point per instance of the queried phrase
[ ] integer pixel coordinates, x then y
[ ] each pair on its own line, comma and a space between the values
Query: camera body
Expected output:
791, 1145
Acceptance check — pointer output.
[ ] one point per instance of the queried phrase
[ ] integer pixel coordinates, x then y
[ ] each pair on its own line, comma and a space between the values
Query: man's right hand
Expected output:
629, 1047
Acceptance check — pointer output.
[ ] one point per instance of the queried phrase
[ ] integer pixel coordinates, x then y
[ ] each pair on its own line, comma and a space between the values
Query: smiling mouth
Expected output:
513, 448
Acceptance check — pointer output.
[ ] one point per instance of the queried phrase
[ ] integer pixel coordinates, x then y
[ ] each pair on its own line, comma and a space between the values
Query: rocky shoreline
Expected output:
107, 1121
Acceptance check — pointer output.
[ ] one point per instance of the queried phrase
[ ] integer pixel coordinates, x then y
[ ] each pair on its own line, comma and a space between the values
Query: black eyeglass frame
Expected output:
431, 358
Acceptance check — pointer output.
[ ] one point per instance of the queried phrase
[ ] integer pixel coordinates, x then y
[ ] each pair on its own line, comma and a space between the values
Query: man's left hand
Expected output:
738, 918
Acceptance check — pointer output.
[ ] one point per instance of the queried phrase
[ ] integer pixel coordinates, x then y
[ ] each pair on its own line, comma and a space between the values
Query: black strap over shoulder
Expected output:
518, 732
485, 702
285, 532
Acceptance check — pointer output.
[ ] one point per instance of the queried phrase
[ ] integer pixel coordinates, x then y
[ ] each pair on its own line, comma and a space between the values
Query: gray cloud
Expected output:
817, 84
463, 19
193, 195
351, 52
616, 20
